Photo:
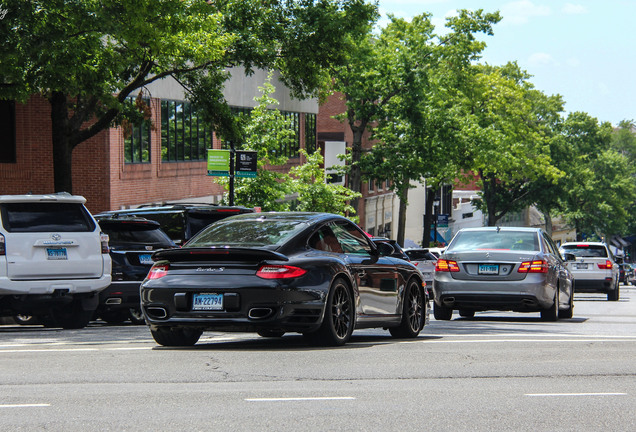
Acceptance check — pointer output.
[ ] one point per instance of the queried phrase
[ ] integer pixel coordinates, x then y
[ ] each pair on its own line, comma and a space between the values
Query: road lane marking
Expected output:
600, 339
48, 350
291, 399
24, 405
573, 394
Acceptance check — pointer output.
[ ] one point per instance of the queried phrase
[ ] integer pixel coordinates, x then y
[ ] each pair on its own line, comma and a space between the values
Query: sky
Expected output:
584, 50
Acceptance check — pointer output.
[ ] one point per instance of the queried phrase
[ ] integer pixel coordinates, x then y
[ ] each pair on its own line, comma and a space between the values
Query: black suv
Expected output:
132, 241
181, 221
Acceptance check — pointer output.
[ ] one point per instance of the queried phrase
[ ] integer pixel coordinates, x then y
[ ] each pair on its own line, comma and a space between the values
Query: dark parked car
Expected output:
312, 273
503, 268
626, 273
132, 242
181, 221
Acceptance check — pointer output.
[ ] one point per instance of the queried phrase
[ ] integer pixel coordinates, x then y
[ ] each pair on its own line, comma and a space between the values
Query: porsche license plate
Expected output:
207, 301
488, 269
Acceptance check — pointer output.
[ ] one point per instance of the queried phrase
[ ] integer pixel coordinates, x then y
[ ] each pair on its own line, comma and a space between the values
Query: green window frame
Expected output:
137, 143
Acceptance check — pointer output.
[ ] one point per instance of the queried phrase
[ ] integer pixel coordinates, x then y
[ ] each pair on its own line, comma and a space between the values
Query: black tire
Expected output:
48, 321
74, 316
552, 313
168, 336
466, 313
136, 316
568, 313
442, 312
613, 295
339, 320
114, 318
413, 313
25, 319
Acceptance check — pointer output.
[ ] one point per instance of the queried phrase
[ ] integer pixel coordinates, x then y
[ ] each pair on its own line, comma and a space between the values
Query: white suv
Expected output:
54, 259
594, 270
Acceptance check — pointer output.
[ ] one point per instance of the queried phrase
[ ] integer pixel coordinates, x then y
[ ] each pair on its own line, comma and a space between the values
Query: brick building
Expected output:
150, 166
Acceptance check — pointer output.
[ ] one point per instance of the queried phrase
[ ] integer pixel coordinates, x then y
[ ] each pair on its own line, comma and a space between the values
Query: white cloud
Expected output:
519, 12
540, 59
574, 9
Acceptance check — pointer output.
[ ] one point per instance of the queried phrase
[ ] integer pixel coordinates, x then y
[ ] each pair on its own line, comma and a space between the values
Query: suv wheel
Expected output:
73, 316
614, 294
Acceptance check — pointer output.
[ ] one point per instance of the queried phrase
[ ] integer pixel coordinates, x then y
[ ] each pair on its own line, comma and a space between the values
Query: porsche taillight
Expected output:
538, 266
158, 271
443, 265
279, 272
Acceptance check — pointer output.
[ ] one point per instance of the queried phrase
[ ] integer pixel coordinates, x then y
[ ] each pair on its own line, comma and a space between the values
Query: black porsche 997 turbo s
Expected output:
312, 273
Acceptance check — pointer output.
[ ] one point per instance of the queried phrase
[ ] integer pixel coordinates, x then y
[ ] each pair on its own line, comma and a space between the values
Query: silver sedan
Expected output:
502, 268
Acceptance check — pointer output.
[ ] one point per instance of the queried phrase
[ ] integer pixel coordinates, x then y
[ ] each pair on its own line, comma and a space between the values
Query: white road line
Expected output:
600, 339
573, 394
48, 350
25, 405
299, 399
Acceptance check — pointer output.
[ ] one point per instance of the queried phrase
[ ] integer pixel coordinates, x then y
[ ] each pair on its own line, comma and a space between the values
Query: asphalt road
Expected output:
498, 371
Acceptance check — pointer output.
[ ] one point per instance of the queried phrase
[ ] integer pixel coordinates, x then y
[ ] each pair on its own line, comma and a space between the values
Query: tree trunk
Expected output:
62, 150
548, 222
404, 195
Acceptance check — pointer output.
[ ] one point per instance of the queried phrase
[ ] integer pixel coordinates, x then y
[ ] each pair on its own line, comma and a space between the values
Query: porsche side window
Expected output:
351, 239
325, 240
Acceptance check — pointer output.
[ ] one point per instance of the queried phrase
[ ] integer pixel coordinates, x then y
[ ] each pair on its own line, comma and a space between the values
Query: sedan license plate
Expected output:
207, 301
489, 269
145, 259
56, 254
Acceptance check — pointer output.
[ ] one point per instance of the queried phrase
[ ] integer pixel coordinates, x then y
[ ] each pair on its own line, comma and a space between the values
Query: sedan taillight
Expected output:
538, 266
443, 265
279, 272
158, 271
607, 266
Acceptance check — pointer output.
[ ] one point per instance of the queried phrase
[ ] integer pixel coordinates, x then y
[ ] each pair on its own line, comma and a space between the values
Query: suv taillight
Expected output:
538, 266
104, 240
607, 266
443, 265
158, 271
2, 248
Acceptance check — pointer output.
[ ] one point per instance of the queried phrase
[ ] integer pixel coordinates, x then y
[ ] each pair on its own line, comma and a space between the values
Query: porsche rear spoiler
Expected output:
217, 254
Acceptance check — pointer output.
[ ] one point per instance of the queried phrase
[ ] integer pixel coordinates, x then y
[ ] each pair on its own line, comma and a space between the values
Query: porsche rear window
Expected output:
46, 217
495, 240
247, 233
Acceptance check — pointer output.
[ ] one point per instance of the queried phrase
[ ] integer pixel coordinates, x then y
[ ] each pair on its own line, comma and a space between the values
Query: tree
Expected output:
266, 131
507, 132
599, 184
87, 57
315, 194
384, 67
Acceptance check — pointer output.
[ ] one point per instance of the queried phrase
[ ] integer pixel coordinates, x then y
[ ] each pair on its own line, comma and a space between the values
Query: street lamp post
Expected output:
435, 213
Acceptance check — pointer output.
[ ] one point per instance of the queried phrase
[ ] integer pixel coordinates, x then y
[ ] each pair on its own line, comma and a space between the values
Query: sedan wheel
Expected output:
167, 336
552, 313
567, 313
337, 325
442, 312
413, 313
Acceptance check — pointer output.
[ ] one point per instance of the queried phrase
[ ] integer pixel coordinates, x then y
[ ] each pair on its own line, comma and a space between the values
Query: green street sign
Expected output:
219, 163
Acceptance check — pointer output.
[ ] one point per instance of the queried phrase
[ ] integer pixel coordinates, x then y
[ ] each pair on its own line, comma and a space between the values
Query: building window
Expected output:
370, 183
310, 133
137, 139
467, 215
185, 136
291, 150
7, 132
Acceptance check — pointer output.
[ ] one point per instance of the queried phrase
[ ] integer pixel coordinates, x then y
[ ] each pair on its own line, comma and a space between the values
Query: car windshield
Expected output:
248, 233
586, 250
494, 240
129, 236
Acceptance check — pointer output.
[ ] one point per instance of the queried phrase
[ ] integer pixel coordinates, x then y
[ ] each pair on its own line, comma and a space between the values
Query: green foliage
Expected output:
314, 194
87, 56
